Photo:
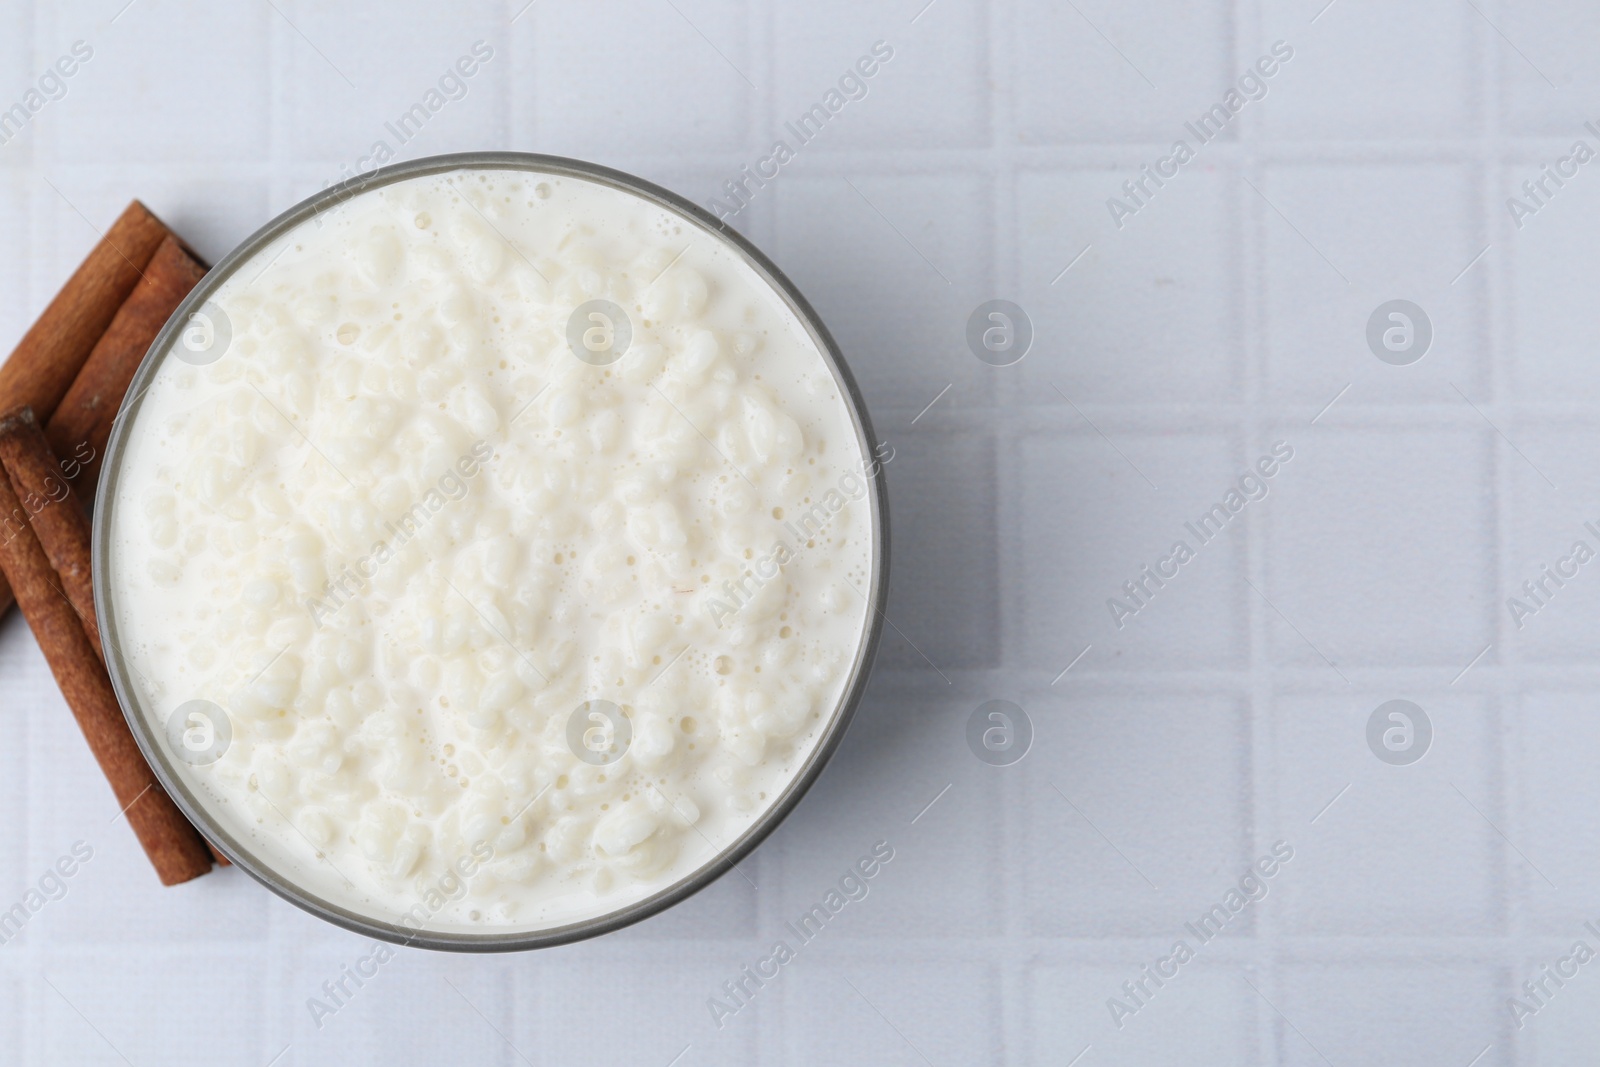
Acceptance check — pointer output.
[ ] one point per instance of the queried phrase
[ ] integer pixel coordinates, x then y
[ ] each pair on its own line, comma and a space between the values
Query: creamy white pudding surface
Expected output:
402, 534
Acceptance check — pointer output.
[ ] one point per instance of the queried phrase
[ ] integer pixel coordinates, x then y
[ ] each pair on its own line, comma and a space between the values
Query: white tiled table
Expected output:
1225, 716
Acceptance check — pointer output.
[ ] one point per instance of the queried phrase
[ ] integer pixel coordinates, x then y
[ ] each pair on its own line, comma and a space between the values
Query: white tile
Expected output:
14, 1012
670, 78
1134, 814
50, 885
1075, 569
16, 307
910, 1012
1563, 1026
17, 57
103, 1014
1554, 807
1558, 619
1341, 240
151, 91
1406, 850
19, 659
325, 1025
930, 92
1546, 43
1551, 311
416, 1015
1324, 1001
119, 878
1151, 310
365, 1000
1206, 1014
1109, 72
1356, 61
394, 63
1380, 552
894, 266
943, 596
658, 1005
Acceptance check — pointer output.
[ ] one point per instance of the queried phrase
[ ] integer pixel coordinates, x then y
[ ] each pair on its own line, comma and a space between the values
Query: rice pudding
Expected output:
491, 550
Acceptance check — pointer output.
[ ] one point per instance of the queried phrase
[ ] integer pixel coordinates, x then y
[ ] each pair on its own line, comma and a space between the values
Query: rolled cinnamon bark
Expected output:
175, 848
54, 512
54, 349
43, 365
81, 425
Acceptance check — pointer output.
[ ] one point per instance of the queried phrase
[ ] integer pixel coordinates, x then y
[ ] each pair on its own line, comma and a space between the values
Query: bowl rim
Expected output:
155, 749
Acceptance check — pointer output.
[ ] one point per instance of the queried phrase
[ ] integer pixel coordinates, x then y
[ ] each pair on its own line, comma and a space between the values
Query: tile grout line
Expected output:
1260, 797
1497, 286
1013, 986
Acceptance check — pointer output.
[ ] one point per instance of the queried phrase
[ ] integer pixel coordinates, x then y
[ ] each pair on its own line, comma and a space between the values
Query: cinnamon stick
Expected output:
175, 848
81, 425
43, 365
54, 512
51, 353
